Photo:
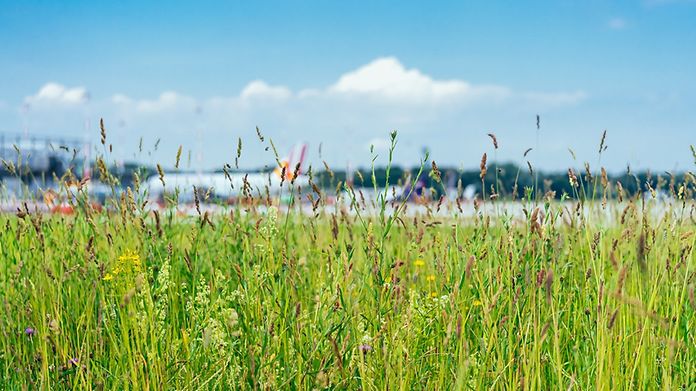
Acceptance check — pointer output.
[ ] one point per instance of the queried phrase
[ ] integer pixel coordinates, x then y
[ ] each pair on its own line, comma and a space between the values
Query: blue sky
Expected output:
344, 74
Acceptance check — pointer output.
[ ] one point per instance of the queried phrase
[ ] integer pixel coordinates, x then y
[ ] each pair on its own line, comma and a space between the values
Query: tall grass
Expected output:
578, 294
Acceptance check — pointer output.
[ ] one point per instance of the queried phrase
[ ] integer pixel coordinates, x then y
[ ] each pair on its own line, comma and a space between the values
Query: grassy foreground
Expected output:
266, 299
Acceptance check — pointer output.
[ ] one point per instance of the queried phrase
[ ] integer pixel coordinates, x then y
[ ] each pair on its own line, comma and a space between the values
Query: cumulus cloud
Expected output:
351, 113
166, 101
387, 78
262, 90
617, 23
58, 94
255, 91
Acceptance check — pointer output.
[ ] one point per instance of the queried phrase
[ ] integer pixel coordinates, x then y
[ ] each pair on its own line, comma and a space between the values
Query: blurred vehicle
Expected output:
229, 187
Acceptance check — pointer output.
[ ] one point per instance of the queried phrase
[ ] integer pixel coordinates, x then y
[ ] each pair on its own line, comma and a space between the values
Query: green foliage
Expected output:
580, 293
277, 299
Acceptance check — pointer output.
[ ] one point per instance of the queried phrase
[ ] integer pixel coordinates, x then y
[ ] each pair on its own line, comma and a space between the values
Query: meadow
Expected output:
592, 291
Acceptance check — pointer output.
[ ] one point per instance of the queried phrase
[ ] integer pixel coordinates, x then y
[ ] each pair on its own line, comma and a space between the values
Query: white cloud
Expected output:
52, 94
617, 23
355, 111
387, 78
257, 90
262, 90
382, 81
166, 101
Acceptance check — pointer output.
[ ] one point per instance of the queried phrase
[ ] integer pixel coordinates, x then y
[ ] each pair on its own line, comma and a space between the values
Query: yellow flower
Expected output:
430, 278
419, 262
130, 261
477, 303
433, 294
127, 266
129, 256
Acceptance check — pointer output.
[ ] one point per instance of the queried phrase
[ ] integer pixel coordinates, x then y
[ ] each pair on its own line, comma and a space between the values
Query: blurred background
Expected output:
339, 76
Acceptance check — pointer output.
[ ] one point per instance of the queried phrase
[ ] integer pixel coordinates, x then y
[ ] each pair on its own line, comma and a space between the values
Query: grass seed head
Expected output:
160, 171
494, 139
102, 131
178, 156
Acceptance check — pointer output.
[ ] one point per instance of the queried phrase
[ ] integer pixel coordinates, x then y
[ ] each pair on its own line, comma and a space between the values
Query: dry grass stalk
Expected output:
483, 167
494, 139
103, 131
178, 156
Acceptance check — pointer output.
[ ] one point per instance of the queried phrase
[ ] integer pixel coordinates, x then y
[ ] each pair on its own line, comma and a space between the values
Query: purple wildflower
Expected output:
365, 348
29, 331
74, 361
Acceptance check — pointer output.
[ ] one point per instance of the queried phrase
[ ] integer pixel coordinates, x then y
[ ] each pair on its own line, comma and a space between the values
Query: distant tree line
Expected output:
505, 180
508, 180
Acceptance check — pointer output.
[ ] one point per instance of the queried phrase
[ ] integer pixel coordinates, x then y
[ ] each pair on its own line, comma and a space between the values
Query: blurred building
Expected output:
40, 155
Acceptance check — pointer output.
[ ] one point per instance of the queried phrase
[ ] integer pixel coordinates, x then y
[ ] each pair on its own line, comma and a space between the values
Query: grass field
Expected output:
569, 296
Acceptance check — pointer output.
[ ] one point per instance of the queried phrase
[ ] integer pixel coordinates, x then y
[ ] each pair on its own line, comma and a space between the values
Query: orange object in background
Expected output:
66, 209
63, 209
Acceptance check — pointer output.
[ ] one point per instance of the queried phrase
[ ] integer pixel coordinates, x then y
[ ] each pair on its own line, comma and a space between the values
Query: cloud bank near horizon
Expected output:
357, 110
384, 80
